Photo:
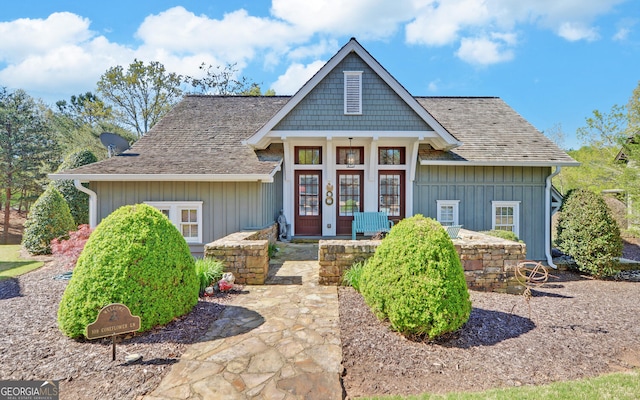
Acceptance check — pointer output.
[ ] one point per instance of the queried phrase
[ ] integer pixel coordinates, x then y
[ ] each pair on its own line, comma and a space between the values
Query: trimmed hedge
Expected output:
136, 257
588, 232
78, 201
49, 218
416, 280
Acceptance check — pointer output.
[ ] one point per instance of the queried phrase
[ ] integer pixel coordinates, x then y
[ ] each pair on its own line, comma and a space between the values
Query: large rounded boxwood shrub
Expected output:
78, 201
49, 218
588, 232
416, 281
135, 257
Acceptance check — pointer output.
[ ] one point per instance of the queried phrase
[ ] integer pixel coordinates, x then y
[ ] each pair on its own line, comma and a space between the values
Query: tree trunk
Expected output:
7, 215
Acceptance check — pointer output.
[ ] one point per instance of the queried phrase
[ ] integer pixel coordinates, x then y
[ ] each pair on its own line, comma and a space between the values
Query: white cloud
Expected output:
61, 54
622, 34
575, 31
66, 68
25, 37
444, 22
236, 37
315, 50
369, 19
439, 23
624, 28
483, 51
433, 86
295, 76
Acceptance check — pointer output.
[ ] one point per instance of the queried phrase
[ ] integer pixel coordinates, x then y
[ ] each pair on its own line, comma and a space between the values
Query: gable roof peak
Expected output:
447, 140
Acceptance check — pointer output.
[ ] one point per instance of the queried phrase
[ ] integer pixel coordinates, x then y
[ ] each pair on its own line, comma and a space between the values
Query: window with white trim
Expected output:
447, 213
353, 92
185, 215
505, 216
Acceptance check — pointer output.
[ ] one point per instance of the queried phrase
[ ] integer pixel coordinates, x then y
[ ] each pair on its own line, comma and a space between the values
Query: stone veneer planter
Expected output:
245, 254
489, 262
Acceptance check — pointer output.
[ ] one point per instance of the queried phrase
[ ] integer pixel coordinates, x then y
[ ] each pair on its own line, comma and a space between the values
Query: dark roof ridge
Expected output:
232, 95
456, 97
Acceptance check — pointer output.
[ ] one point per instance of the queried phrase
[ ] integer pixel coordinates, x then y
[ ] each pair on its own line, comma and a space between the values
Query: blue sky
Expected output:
553, 61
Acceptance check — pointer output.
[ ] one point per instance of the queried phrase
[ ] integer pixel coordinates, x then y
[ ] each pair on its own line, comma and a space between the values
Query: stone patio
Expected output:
280, 340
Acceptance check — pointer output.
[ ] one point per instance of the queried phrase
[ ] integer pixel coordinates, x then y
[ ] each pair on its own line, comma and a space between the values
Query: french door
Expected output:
391, 187
308, 217
350, 195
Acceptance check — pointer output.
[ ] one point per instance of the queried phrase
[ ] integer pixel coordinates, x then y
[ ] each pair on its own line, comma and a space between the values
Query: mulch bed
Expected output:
573, 327
32, 347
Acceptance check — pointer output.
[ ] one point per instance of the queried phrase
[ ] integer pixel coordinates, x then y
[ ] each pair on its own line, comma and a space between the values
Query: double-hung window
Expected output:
505, 216
185, 215
447, 213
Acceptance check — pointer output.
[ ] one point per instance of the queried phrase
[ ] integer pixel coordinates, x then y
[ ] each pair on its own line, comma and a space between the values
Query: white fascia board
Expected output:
501, 163
267, 178
260, 139
421, 135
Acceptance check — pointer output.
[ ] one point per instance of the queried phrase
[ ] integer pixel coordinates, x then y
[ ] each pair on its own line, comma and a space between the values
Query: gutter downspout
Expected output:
547, 218
93, 203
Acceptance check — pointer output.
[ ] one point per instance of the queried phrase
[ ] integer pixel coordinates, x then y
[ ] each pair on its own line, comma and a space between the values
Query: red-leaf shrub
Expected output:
67, 251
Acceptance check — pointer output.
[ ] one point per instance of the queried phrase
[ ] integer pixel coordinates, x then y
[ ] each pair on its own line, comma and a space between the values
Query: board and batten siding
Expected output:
227, 207
323, 107
272, 201
477, 187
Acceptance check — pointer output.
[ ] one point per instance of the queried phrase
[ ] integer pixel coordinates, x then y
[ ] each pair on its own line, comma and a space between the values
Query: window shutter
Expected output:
353, 92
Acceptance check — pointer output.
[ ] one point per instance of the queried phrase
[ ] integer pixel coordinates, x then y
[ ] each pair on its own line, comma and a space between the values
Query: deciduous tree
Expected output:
224, 81
141, 94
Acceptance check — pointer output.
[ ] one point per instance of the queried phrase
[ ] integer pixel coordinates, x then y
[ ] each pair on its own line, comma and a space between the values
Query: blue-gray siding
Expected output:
323, 107
477, 187
227, 207
272, 199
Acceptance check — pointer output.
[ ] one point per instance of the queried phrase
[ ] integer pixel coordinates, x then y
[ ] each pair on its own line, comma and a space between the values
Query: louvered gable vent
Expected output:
353, 92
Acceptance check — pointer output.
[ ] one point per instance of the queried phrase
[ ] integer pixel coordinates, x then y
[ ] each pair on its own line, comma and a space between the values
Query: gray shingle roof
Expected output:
203, 135
200, 135
491, 132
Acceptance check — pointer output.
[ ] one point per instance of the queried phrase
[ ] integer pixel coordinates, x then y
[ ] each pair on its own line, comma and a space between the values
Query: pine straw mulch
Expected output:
573, 327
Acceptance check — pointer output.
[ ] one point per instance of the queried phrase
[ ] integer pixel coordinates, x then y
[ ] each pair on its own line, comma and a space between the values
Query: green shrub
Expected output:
507, 235
353, 276
48, 219
416, 280
272, 250
588, 233
78, 201
208, 270
136, 257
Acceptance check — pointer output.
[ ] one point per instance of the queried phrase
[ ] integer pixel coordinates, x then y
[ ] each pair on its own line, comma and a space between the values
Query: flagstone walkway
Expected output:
280, 340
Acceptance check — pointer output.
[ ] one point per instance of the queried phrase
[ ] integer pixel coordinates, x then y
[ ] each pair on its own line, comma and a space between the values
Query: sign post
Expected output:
114, 319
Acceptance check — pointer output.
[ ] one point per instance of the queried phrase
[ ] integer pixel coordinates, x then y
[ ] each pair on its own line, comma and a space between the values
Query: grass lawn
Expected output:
11, 264
612, 386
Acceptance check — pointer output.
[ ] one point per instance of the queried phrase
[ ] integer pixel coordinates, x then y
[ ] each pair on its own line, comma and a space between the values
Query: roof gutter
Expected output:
499, 163
547, 217
93, 203
267, 178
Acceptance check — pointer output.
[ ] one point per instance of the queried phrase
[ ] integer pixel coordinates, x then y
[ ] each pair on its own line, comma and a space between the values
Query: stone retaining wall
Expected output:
489, 262
245, 254
337, 256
